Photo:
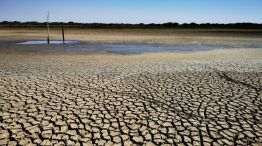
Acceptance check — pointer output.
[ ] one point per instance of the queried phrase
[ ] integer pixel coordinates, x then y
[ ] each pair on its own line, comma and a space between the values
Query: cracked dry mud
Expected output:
48, 102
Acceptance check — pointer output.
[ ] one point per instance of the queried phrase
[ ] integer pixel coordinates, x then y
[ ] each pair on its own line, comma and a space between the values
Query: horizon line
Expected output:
243, 22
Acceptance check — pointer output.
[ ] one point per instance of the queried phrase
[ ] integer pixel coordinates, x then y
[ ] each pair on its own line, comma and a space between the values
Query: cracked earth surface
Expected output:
49, 102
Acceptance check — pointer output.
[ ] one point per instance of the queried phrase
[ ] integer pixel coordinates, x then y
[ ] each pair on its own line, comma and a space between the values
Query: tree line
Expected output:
140, 25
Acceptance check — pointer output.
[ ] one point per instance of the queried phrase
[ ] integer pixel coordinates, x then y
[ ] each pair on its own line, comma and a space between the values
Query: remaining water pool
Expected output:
131, 49
45, 42
75, 46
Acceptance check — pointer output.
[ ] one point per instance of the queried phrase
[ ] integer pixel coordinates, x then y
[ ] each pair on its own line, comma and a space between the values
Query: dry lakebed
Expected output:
57, 95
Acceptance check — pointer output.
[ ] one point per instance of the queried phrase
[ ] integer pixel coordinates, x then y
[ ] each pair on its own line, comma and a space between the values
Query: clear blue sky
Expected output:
133, 11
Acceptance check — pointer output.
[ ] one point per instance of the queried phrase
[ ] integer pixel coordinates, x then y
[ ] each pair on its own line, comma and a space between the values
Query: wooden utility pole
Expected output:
47, 28
63, 34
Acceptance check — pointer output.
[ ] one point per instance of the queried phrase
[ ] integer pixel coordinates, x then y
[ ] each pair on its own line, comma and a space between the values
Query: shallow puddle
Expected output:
45, 42
75, 46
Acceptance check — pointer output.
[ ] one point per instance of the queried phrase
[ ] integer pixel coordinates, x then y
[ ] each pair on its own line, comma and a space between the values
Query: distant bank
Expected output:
140, 25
